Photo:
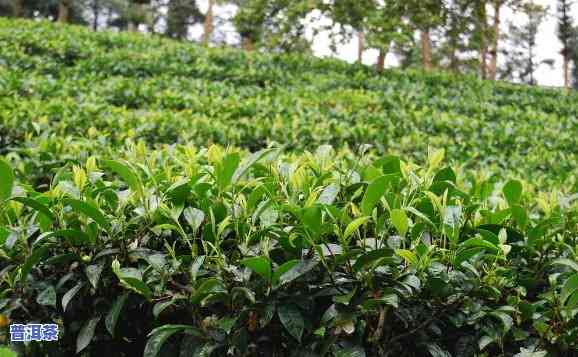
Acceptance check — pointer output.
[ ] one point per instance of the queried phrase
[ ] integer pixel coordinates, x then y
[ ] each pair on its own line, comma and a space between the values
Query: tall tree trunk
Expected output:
426, 50
95, 14
493, 70
209, 25
566, 69
454, 63
132, 26
360, 46
531, 64
247, 44
380, 65
483, 57
64, 10
482, 18
17, 8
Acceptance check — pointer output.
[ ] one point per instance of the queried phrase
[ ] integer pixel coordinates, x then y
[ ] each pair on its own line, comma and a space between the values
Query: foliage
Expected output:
177, 200
522, 62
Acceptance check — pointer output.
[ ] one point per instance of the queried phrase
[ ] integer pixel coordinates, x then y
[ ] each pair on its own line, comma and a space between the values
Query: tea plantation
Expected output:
163, 199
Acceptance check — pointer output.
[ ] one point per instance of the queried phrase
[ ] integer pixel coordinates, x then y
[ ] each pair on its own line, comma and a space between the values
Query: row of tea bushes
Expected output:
211, 252
62, 83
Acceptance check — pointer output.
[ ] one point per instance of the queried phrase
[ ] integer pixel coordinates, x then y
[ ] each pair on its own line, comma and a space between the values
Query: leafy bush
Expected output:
270, 254
124, 219
64, 83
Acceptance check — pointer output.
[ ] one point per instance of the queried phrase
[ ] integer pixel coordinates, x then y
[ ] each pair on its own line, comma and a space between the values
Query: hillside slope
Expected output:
160, 199
71, 82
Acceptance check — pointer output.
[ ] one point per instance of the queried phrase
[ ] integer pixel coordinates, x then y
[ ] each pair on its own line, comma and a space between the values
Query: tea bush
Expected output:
161, 199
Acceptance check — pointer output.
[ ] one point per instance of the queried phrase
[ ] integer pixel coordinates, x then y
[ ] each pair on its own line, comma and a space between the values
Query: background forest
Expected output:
464, 36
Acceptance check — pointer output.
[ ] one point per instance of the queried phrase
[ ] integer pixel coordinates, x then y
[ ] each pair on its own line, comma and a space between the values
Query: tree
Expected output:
180, 15
95, 8
250, 22
351, 18
455, 34
565, 34
208, 24
387, 27
276, 25
17, 8
521, 57
425, 16
495, 39
64, 10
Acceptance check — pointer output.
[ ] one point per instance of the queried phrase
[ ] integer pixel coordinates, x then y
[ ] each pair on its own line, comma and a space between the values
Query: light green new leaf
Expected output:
131, 281
353, 226
137, 286
400, 221
373, 194
408, 255
93, 273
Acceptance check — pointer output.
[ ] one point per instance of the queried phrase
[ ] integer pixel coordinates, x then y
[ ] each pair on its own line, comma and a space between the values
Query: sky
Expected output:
548, 44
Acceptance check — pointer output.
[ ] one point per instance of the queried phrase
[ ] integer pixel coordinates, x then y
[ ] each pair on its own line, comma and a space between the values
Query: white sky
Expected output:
548, 44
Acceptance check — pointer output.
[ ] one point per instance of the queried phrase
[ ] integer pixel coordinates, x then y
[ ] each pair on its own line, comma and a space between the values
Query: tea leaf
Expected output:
292, 320
513, 192
86, 334
373, 194
6, 181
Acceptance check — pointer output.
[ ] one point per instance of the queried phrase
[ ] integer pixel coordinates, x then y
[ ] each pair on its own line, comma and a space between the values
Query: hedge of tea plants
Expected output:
163, 199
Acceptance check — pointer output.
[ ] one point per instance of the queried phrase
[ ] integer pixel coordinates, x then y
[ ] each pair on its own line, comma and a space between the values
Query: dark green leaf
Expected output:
47, 297
37, 255
86, 334
260, 265
112, 316
570, 287
303, 267
36, 205
93, 273
70, 294
127, 174
292, 320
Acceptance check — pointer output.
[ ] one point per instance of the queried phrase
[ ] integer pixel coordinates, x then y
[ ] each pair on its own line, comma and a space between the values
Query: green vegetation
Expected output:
167, 199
